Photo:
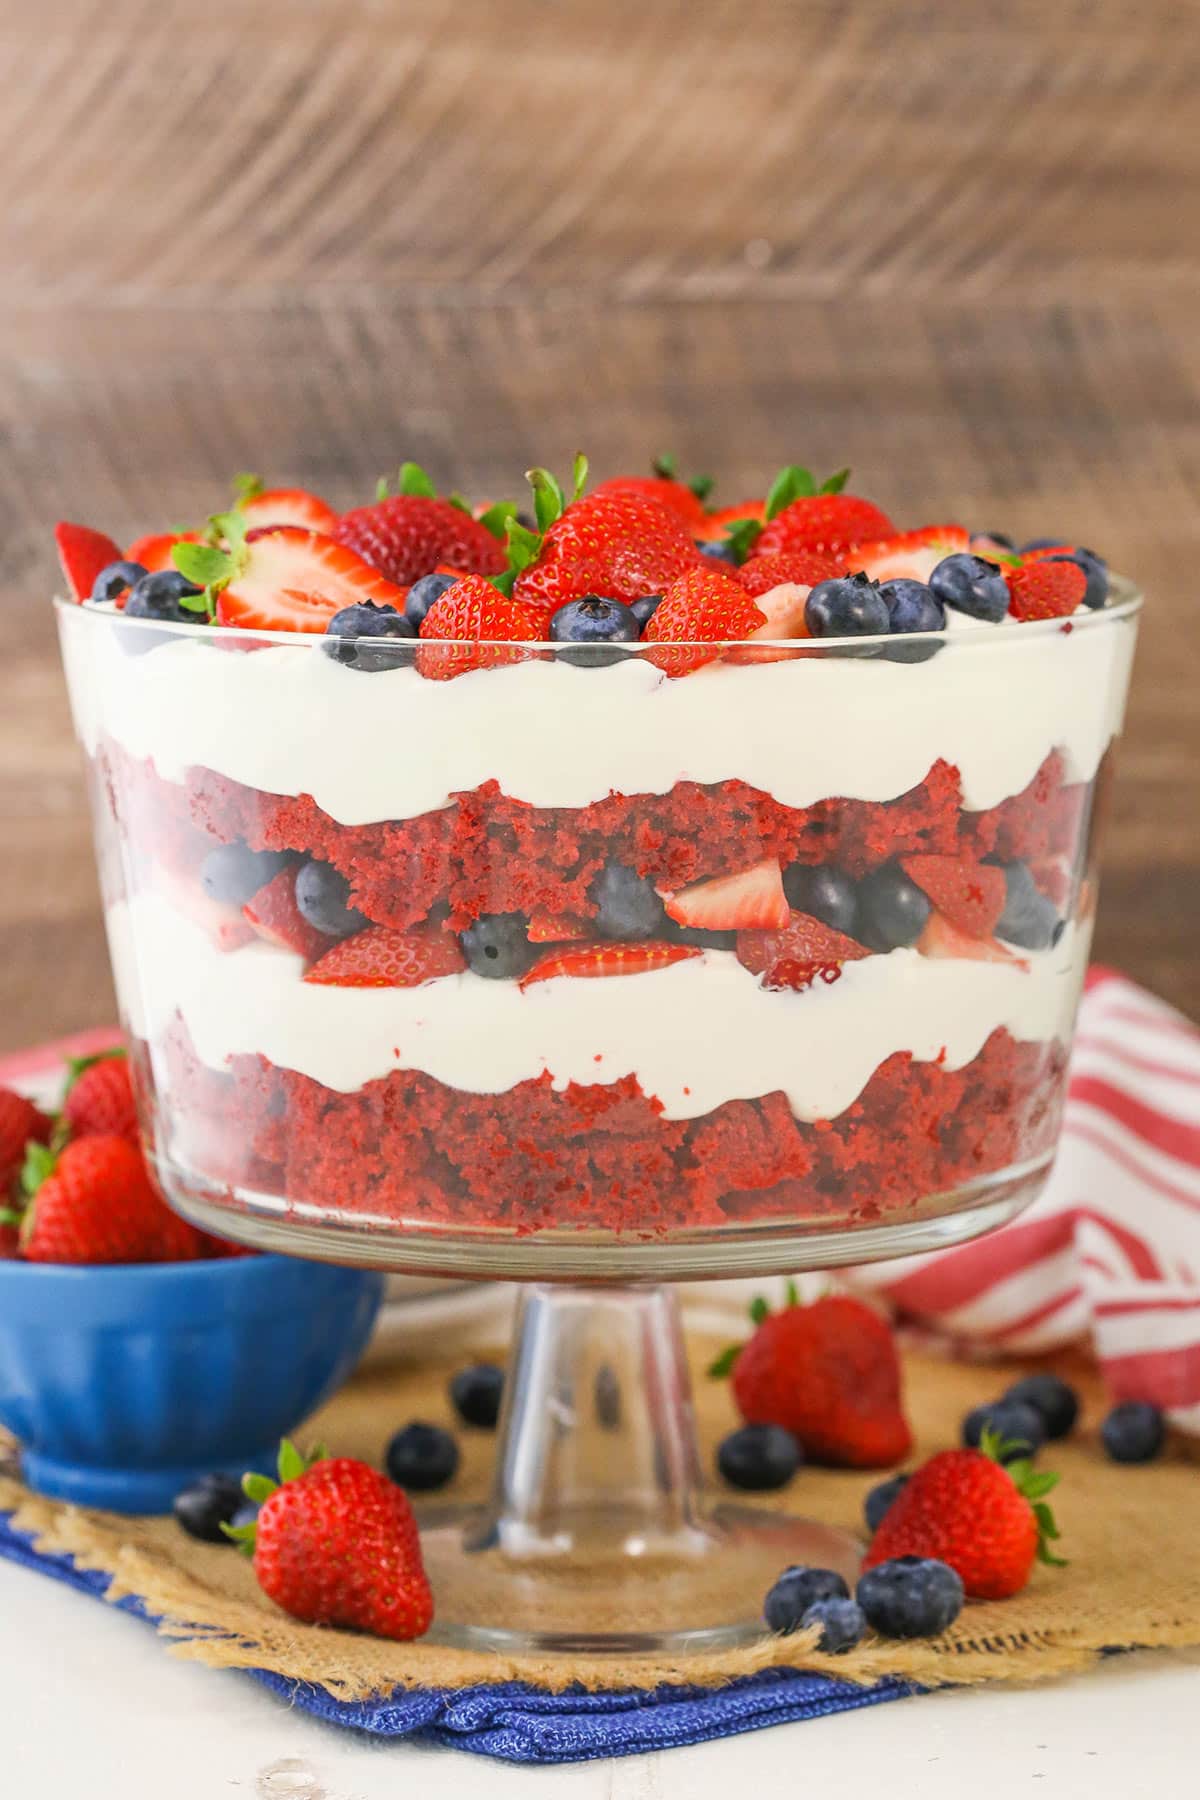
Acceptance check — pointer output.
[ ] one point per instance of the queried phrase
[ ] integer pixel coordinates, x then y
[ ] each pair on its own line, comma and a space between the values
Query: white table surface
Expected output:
92, 1707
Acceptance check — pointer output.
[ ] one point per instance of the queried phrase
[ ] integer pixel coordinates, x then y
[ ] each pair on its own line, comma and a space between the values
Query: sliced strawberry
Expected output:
288, 506
725, 517
942, 939
699, 608
912, 556
274, 915
294, 580
154, 552
970, 894
383, 958
608, 959
1046, 550
1046, 590
827, 521
82, 553
753, 898
222, 924
797, 955
470, 619
557, 928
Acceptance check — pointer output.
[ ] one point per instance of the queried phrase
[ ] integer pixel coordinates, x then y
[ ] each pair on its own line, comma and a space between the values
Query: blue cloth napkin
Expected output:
525, 1724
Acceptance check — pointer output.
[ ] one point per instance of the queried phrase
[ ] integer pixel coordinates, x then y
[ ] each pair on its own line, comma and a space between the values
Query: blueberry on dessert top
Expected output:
592, 623
720, 548
113, 580
158, 596
972, 585
422, 594
846, 606
355, 631
644, 608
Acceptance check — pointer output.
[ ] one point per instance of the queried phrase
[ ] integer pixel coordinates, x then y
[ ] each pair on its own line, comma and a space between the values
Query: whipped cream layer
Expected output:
995, 701
695, 1035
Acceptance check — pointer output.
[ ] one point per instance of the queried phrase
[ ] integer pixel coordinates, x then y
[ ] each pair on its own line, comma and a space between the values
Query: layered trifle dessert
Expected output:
628, 866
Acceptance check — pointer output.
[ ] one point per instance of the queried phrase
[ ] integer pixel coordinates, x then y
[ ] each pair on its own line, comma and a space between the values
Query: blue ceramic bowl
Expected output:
122, 1385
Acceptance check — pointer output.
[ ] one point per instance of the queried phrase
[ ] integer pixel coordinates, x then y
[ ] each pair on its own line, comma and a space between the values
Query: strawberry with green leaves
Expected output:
285, 580
92, 1203
265, 509
99, 1099
986, 1518
801, 514
335, 1543
406, 534
465, 626
665, 485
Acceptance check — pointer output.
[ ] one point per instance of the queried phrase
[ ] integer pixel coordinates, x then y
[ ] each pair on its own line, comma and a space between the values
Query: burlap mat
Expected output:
1132, 1536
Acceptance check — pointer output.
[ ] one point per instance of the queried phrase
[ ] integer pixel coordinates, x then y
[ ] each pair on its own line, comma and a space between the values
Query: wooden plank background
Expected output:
954, 245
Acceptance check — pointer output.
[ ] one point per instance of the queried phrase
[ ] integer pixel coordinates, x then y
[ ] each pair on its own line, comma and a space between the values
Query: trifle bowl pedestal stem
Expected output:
598, 1535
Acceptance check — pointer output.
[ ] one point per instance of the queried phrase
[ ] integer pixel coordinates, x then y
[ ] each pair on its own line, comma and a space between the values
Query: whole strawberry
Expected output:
1046, 590
99, 1100
21, 1123
987, 1520
802, 516
475, 611
683, 497
335, 1543
406, 535
621, 545
701, 607
91, 1204
828, 1373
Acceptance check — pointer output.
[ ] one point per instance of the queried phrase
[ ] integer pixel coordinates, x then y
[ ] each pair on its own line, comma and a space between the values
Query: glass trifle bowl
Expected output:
596, 972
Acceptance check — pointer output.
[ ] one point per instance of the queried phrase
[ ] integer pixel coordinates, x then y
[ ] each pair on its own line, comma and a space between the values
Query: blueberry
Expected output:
1052, 1397
422, 594
997, 537
421, 1457
629, 907
758, 1457
645, 608
1133, 1432
1096, 570
824, 893
1040, 544
208, 1504
721, 548
158, 597
233, 873
364, 636
972, 585
476, 1394
892, 910
497, 945
1029, 919
842, 1624
113, 580
912, 607
592, 624
323, 897
880, 1498
1019, 1424
796, 1590
910, 1596
846, 606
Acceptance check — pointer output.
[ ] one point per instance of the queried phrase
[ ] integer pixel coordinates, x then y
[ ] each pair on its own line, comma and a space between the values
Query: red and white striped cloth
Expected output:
1111, 1248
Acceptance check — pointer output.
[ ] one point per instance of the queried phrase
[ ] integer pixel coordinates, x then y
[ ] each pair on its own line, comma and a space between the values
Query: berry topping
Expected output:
285, 580
476, 611
1133, 1432
423, 593
971, 585
359, 637
208, 1504
803, 951
683, 497
841, 1624
266, 508
797, 568
879, 1498
336, 1544
802, 517
628, 904
1052, 1397
1049, 589
592, 623
421, 1457
497, 946
751, 899
82, 554
406, 535
644, 608
796, 1590
381, 957
910, 1597
912, 607
1029, 919
892, 910
911, 556
758, 1457
114, 579
846, 606
970, 894
702, 607
717, 550
99, 1100
275, 917
476, 1393
1094, 567
596, 961
829, 1374
323, 896
621, 545
233, 873
825, 893
161, 596
1017, 1425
